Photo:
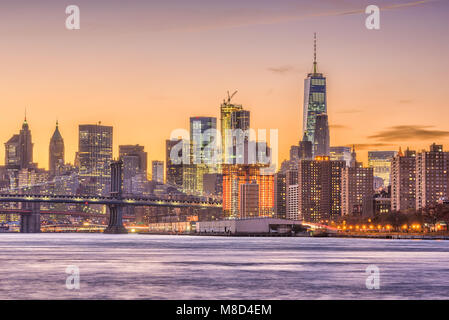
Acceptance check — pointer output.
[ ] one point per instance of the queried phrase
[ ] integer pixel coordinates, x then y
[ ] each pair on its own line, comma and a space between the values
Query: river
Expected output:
33, 266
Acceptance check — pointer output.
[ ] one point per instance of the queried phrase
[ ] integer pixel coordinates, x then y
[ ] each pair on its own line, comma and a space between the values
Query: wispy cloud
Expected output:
286, 69
366, 146
338, 126
409, 133
348, 111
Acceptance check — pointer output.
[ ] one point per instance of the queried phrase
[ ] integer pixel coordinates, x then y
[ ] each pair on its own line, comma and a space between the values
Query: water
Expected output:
32, 266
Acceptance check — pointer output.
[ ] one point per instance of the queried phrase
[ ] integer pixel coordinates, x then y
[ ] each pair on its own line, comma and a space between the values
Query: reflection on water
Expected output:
32, 266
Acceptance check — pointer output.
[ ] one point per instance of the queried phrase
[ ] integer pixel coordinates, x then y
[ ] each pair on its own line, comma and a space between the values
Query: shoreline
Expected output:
394, 236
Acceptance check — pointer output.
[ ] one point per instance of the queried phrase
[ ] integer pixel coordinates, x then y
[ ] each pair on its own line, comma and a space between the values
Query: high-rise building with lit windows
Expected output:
234, 123
236, 175
249, 200
157, 171
136, 151
19, 149
357, 191
315, 100
380, 161
56, 151
403, 181
94, 158
432, 176
319, 189
203, 153
174, 151
280, 195
341, 153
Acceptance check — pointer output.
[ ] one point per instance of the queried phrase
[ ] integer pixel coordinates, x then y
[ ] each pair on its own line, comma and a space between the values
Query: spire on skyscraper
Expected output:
353, 163
56, 150
25, 123
314, 53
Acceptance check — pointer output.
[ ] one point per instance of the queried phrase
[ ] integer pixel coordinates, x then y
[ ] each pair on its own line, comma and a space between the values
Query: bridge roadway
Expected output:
59, 213
30, 222
134, 201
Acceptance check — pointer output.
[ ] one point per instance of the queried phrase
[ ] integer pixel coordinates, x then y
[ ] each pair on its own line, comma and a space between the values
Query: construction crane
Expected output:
230, 96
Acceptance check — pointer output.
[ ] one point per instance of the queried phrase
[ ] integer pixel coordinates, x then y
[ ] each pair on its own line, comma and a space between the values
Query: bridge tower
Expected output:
31, 222
115, 225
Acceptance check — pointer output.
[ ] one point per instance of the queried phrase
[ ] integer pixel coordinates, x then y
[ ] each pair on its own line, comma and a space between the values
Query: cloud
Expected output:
282, 69
347, 111
365, 146
410, 132
338, 126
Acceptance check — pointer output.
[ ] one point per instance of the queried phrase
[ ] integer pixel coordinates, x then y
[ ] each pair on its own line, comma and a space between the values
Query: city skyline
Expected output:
139, 98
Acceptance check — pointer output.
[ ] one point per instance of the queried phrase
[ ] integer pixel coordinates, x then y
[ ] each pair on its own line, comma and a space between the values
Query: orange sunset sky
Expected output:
145, 67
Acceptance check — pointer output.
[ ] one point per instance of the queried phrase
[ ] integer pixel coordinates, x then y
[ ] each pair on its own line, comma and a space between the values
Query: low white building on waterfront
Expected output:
255, 226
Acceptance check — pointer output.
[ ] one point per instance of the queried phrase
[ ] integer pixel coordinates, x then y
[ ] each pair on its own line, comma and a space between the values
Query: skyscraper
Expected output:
305, 148
135, 161
19, 149
319, 189
432, 176
56, 151
315, 101
403, 181
321, 144
356, 189
232, 117
157, 171
236, 175
174, 170
203, 153
292, 202
94, 157
249, 200
137, 151
341, 153
280, 195
380, 161
201, 137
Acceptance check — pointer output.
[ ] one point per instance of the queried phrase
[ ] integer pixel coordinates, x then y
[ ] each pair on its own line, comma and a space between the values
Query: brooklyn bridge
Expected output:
30, 213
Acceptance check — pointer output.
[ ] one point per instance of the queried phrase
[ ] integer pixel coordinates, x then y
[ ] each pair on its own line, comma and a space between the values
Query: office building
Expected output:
315, 101
380, 161
56, 151
135, 151
19, 149
94, 158
341, 154
236, 175
305, 148
280, 195
174, 153
322, 141
249, 200
157, 171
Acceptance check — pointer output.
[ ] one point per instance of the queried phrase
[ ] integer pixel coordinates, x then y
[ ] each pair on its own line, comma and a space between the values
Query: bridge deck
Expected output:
137, 201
